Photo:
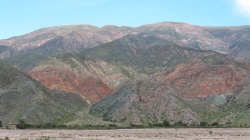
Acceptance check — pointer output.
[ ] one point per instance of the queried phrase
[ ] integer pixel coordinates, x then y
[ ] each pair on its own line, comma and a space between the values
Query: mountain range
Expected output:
82, 74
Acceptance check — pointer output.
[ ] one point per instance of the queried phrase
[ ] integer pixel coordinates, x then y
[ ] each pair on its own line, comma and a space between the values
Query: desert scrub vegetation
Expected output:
1, 124
163, 124
6, 138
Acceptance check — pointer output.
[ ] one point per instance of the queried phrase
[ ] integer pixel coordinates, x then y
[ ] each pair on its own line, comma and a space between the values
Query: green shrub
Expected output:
180, 123
1, 124
166, 123
157, 125
22, 125
215, 124
203, 124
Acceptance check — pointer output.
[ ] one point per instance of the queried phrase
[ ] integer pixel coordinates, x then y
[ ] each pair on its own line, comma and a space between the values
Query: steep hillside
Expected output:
35, 47
145, 102
93, 79
186, 35
100, 71
149, 102
210, 75
202, 89
240, 50
237, 37
182, 84
119, 62
25, 62
236, 110
24, 98
144, 54
5, 52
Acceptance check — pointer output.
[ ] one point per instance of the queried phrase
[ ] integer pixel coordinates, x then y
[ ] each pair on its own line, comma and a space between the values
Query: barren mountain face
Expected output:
182, 73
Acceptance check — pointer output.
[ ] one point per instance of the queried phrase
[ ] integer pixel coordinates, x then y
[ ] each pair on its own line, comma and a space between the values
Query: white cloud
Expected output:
243, 7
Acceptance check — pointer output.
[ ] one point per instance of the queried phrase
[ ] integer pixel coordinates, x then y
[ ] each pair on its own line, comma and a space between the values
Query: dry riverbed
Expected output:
129, 134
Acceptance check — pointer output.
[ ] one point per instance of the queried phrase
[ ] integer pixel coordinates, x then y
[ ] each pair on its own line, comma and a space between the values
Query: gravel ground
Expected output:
130, 134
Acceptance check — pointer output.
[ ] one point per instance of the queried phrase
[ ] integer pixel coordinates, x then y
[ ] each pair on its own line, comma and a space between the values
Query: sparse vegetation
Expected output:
217, 59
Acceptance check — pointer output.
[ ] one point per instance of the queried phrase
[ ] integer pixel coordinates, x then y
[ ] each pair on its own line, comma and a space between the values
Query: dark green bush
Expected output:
180, 123
1, 124
166, 123
23, 125
203, 124
215, 124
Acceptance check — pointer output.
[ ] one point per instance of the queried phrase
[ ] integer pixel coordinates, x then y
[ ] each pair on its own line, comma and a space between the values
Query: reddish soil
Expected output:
201, 80
89, 87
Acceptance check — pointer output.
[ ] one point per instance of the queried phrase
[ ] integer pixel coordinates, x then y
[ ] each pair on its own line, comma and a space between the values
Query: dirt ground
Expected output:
130, 134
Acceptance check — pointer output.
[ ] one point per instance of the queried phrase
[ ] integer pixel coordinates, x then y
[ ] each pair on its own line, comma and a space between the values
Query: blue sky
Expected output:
22, 16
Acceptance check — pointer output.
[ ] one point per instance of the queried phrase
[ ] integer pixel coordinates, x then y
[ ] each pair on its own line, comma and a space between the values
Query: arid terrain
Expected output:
179, 73
131, 134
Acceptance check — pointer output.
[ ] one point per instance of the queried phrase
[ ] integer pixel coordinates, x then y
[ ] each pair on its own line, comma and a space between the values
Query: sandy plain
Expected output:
130, 134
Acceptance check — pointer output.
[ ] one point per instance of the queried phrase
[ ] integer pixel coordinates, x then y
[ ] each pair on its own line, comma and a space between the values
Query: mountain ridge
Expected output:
71, 40
182, 73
